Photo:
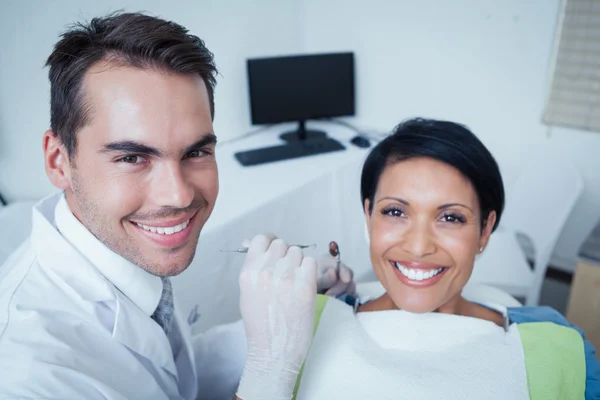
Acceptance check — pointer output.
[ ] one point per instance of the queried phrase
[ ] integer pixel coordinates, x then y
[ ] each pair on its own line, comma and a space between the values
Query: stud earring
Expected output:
481, 249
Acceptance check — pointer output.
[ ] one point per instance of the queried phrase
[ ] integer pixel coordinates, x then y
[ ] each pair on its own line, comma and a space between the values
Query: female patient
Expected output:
432, 196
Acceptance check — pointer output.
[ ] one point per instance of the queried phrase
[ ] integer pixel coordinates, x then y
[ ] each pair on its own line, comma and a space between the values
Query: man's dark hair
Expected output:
445, 141
131, 39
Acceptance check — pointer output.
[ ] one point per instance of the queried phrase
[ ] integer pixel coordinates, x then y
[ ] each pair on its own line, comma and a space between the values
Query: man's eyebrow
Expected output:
130, 146
209, 139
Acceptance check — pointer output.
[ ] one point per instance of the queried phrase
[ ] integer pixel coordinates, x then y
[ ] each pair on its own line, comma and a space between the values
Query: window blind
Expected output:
574, 96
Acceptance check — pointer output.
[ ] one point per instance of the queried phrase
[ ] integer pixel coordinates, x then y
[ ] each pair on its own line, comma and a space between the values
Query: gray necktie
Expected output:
164, 312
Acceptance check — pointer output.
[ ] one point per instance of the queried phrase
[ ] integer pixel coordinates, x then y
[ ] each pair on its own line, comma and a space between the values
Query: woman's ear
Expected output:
367, 211
56, 161
367, 226
487, 230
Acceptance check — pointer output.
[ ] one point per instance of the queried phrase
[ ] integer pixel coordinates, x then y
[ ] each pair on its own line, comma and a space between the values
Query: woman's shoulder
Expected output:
536, 314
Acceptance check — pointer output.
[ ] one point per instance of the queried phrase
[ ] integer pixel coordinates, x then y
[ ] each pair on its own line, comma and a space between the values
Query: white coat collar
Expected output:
141, 287
56, 254
96, 274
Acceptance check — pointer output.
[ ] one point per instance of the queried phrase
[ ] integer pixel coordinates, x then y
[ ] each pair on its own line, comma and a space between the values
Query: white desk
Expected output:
307, 200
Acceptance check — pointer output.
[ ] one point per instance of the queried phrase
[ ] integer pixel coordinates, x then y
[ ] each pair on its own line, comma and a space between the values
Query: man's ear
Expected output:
487, 229
56, 161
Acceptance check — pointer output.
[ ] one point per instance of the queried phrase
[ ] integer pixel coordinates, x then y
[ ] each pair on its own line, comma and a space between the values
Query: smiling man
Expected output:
142, 176
86, 304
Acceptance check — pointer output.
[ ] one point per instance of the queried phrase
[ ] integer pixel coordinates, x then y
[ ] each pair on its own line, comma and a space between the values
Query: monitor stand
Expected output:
302, 134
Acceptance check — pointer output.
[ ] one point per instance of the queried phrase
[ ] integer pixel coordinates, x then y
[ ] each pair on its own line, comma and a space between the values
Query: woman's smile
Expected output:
418, 274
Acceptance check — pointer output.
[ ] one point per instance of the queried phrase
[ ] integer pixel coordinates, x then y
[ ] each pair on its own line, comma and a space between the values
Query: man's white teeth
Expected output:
417, 274
165, 230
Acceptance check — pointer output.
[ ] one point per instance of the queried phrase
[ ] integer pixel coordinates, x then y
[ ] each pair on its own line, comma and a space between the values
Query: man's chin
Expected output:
171, 271
172, 267
168, 262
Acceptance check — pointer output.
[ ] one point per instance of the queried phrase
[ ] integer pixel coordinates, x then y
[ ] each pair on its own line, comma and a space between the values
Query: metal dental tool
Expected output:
245, 249
334, 250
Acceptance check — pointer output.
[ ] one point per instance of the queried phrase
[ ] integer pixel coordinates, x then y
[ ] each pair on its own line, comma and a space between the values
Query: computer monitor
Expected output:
300, 88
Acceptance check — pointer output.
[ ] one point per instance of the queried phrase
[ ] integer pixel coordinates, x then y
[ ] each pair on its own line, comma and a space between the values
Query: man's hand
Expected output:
328, 281
278, 288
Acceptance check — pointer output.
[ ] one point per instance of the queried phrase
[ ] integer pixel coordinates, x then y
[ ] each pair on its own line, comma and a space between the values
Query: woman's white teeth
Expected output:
169, 230
417, 274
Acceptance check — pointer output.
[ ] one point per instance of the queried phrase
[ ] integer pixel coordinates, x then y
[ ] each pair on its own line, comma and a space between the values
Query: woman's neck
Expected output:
457, 306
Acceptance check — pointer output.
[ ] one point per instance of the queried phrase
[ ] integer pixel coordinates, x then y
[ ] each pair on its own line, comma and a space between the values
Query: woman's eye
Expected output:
393, 212
454, 218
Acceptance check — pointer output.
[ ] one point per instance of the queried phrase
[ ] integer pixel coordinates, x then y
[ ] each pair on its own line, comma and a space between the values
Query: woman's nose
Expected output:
419, 241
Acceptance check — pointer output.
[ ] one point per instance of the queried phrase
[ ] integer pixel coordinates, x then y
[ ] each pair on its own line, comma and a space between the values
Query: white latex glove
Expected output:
328, 282
278, 288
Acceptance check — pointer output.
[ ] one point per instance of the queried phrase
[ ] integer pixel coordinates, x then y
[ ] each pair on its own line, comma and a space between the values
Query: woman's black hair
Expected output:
448, 142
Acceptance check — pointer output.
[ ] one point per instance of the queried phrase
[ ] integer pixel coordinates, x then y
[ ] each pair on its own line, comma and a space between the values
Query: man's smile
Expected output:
167, 233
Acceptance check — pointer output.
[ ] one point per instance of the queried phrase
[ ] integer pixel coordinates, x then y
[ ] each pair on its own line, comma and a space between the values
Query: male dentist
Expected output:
86, 304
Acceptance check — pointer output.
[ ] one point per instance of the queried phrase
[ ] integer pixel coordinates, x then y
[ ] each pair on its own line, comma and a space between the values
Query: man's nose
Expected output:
171, 188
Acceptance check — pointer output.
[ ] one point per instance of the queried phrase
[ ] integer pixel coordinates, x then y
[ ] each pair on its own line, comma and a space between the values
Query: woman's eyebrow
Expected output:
448, 205
398, 199
443, 206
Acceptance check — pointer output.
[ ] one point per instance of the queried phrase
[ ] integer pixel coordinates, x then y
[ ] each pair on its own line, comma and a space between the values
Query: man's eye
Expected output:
197, 153
132, 159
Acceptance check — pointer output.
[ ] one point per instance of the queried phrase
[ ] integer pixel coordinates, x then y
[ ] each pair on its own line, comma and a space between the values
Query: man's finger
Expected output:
278, 249
346, 274
257, 247
326, 261
308, 271
259, 243
326, 280
339, 289
266, 237
294, 255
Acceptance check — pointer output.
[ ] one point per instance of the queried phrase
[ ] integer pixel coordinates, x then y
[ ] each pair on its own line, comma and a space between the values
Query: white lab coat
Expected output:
67, 332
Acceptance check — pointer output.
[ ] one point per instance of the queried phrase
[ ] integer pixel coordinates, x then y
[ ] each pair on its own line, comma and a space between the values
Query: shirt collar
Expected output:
140, 286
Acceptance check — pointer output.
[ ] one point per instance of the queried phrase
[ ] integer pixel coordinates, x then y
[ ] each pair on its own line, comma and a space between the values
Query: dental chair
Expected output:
15, 218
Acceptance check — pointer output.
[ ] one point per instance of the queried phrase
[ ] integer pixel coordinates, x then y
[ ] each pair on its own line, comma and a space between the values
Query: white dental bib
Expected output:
398, 355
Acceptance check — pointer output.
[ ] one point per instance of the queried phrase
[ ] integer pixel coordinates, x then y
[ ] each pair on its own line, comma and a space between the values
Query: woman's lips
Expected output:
418, 274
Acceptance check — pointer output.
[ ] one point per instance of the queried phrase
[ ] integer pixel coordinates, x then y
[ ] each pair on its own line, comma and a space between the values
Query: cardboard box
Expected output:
584, 302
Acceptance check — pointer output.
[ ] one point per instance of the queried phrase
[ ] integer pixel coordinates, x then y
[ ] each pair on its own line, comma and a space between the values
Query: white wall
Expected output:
483, 63
233, 31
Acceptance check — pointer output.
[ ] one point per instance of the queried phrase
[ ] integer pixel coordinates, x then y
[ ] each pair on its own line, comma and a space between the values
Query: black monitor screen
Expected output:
298, 88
